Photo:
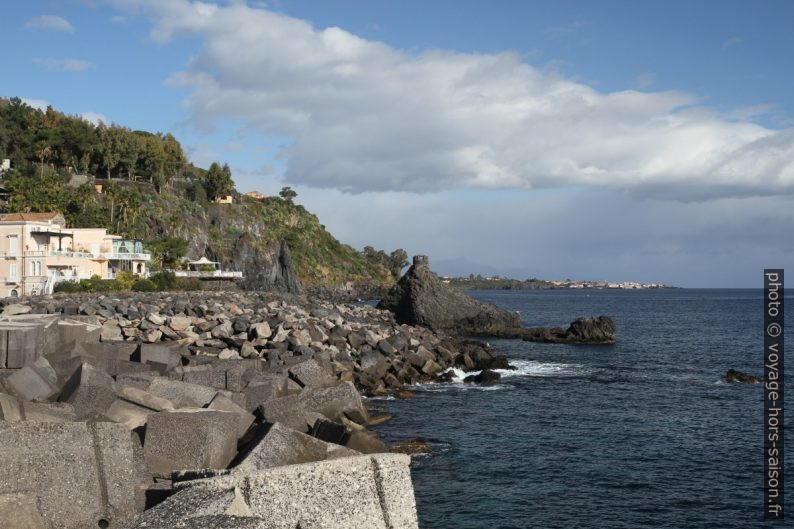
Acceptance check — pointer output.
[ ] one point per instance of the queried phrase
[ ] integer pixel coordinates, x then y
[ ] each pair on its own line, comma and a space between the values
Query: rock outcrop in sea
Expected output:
421, 298
740, 377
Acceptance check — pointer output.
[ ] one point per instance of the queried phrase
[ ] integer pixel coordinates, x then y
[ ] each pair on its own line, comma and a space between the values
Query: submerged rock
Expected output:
742, 378
412, 446
421, 298
486, 377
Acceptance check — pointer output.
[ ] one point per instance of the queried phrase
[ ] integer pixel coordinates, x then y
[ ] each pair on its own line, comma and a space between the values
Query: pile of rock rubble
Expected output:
206, 410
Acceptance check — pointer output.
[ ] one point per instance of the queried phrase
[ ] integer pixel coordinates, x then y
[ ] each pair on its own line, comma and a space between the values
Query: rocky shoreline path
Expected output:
221, 409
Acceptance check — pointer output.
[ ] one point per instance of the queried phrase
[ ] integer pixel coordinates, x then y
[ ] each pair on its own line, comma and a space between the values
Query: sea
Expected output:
642, 433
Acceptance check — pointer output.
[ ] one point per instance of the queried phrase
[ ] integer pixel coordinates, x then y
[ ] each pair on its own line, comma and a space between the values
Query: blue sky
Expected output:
595, 140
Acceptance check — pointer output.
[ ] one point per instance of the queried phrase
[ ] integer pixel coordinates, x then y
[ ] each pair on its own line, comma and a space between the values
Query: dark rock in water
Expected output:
413, 446
486, 377
445, 377
420, 298
600, 330
592, 330
499, 362
743, 378
404, 394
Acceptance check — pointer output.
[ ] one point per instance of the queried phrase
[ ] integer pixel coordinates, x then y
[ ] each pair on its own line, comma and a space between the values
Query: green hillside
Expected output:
151, 192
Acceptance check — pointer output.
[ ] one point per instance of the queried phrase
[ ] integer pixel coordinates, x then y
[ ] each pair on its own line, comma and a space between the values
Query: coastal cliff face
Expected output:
277, 245
420, 298
240, 242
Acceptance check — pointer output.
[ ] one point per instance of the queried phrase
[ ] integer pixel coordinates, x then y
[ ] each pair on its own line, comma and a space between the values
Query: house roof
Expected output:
31, 217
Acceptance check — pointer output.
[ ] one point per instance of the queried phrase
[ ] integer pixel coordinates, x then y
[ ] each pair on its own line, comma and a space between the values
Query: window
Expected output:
38, 268
12, 271
33, 268
14, 293
13, 245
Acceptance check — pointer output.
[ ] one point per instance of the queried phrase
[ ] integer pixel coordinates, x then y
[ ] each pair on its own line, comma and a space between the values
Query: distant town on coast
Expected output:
478, 282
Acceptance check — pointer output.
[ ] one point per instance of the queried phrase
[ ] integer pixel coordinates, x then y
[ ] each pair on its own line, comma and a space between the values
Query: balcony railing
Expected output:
144, 256
131, 256
208, 275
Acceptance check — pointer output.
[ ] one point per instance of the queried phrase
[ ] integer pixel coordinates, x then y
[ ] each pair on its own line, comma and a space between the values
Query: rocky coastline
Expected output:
220, 409
208, 401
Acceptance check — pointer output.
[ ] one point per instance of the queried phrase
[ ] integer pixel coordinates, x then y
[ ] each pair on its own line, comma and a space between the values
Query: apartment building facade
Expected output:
37, 251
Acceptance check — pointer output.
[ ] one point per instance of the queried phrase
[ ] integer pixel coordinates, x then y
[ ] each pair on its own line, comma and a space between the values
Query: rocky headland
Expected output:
421, 298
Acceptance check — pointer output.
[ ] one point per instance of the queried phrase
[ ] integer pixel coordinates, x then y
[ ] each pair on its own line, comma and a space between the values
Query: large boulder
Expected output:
190, 439
600, 330
421, 298
486, 377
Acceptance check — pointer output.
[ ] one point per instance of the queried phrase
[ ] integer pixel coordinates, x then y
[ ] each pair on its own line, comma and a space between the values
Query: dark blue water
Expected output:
640, 434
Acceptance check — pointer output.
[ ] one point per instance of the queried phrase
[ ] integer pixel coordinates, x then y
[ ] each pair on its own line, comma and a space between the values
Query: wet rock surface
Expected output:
739, 377
412, 446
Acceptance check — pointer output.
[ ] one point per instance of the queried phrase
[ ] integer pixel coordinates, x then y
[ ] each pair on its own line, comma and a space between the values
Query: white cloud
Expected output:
50, 22
64, 65
40, 104
365, 116
94, 117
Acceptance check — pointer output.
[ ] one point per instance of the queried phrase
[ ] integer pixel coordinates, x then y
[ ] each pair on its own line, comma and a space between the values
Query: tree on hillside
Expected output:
288, 194
168, 250
108, 149
398, 260
153, 159
130, 152
174, 157
36, 194
43, 153
218, 181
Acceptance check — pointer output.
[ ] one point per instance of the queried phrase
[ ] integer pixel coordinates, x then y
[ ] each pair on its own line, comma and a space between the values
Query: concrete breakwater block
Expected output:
372, 492
199, 508
282, 445
50, 334
179, 394
89, 390
36, 381
20, 343
299, 411
187, 439
80, 474
244, 418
